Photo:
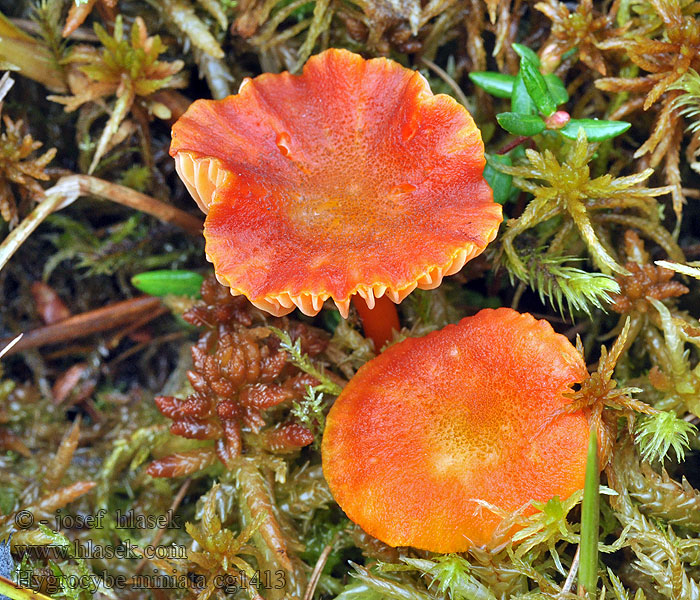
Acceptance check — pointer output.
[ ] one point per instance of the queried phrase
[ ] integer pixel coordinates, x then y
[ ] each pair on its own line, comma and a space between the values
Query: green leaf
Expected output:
169, 283
519, 124
596, 131
525, 53
536, 87
557, 89
520, 101
496, 84
590, 519
501, 183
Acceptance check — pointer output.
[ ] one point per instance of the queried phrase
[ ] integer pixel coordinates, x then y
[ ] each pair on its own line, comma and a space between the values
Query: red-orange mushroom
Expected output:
349, 179
434, 428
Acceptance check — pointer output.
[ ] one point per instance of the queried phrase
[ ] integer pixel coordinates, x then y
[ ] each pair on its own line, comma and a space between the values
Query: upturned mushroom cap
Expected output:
434, 425
352, 178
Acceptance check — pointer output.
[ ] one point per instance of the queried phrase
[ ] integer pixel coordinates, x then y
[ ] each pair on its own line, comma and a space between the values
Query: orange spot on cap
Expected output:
435, 428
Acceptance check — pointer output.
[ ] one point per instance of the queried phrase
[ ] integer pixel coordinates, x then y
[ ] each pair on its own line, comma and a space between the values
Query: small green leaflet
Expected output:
596, 131
519, 124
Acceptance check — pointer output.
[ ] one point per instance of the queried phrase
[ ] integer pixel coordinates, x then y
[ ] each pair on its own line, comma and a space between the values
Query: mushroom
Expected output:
351, 179
435, 431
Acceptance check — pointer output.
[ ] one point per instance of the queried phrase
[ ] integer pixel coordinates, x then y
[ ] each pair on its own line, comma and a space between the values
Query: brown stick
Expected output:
86, 323
70, 188
169, 337
133, 199
444, 75
318, 569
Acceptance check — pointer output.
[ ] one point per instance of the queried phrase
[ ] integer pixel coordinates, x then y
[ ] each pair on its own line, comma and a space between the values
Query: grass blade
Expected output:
590, 514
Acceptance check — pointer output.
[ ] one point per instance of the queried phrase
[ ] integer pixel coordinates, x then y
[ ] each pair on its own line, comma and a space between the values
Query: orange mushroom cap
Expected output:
352, 178
432, 428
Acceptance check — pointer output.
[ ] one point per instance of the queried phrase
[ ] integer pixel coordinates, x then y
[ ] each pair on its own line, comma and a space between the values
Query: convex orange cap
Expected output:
435, 427
352, 178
